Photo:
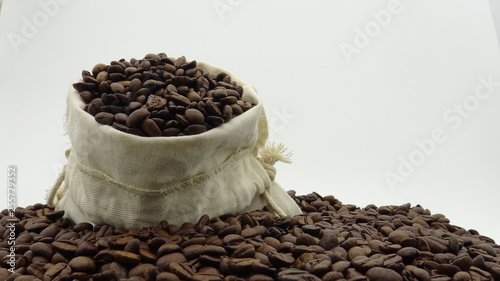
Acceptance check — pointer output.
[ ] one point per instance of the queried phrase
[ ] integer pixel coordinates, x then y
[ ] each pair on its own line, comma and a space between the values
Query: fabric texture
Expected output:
130, 181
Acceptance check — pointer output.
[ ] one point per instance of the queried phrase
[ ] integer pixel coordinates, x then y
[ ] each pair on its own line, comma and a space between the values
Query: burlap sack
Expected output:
126, 180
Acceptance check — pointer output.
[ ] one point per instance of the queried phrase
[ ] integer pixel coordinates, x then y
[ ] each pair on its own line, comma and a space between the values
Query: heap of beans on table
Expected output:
329, 241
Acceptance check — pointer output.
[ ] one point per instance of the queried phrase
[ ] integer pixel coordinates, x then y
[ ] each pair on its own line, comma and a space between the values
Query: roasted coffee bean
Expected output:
164, 262
82, 264
105, 118
137, 117
117, 88
293, 274
194, 116
195, 129
184, 270
59, 271
151, 128
156, 102
383, 274
43, 249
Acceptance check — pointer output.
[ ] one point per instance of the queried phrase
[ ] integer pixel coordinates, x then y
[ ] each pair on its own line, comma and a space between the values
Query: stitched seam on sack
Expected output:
167, 190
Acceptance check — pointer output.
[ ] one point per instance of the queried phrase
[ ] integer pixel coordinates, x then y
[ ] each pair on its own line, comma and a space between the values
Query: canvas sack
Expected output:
125, 180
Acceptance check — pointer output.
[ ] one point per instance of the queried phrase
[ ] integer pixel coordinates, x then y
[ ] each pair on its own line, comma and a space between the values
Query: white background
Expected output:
348, 119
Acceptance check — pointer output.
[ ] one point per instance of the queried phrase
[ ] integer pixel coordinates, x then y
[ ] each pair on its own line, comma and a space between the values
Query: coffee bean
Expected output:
280, 259
126, 258
145, 271
117, 88
244, 251
293, 274
43, 249
156, 102
179, 99
150, 128
105, 118
195, 129
183, 270
461, 276
82, 264
137, 117
167, 276
194, 116
164, 261
383, 274
65, 247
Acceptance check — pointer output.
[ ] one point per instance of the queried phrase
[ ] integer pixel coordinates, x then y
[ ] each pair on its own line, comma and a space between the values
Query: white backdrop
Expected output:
382, 102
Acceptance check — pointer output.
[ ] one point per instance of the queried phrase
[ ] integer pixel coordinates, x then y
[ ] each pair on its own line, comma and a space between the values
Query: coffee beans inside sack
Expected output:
163, 138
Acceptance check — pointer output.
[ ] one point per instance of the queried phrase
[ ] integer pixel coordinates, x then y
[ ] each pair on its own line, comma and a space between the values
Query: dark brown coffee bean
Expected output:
150, 128
194, 116
132, 245
195, 129
42, 249
82, 264
280, 259
179, 99
193, 96
318, 267
137, 117
117, 77
417, 273
117, 88
156, 102
126, 258
115, 69
50, 231
227, 113
215, 121
461, 276
244, 251
59, 271
383, 274
145, 271
65, 247
164, 261
83, 86
167, 276
105, 118
306, 239
86, 249
293, 274
183, 270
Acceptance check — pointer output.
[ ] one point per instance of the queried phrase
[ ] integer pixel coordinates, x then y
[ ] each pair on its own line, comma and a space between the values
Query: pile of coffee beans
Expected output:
160, 96
329, 241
